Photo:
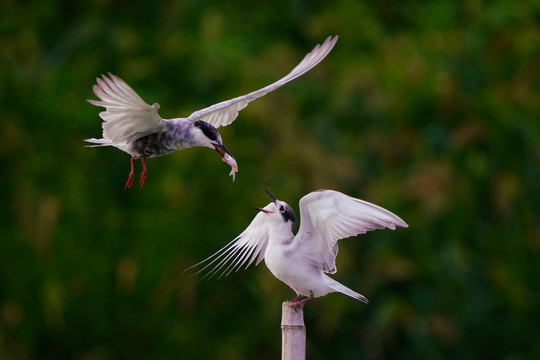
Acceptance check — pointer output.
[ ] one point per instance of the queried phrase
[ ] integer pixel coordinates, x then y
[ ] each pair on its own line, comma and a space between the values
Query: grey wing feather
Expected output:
127, 116
248, 247
224, 113
327, 216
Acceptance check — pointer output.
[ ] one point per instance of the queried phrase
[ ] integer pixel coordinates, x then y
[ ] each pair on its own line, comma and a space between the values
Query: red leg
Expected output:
296, 298
143, 174
301, 303
130, 178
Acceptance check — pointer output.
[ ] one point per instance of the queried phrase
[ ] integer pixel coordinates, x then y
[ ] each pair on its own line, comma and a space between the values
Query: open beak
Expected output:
227, 157
263, 210
272, 196
222, 150
274, 199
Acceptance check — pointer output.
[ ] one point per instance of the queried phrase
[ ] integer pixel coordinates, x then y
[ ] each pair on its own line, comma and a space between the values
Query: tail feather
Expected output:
344, 290
98, 142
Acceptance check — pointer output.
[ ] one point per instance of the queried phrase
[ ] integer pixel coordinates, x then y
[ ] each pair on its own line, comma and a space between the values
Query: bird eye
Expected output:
281, 208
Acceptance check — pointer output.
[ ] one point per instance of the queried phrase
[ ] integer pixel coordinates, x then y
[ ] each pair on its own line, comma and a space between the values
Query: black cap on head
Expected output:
207, 129
287, 213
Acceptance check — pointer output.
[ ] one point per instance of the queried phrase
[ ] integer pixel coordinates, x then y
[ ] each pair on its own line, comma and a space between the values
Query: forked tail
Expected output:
98, 142
344, 290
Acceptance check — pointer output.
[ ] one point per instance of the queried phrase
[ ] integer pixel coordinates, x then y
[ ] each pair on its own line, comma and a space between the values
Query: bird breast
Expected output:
278, 260
289, 267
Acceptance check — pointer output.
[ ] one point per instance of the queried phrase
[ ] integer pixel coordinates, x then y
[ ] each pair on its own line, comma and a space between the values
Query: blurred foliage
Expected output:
430, 109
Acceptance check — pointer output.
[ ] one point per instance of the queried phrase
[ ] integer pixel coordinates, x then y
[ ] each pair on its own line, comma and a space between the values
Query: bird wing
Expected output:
327, 216
248, 246
225, 112
127, 117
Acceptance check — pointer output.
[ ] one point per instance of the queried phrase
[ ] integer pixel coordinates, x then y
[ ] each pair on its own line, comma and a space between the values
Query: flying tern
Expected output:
301, 260
133, 126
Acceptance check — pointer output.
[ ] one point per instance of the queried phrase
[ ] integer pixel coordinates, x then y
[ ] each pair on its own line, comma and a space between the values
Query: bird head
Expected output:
207, 135
279, 210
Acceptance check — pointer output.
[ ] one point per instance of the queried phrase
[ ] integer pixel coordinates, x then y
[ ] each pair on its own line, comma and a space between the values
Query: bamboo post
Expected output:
293, 332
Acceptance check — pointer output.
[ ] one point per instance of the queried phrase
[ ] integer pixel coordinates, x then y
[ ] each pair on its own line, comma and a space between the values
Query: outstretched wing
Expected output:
327, 216
127, 117
248, 246
224, 113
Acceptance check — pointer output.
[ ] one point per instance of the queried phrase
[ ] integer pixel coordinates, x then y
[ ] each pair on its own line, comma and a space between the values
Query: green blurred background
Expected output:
430, 109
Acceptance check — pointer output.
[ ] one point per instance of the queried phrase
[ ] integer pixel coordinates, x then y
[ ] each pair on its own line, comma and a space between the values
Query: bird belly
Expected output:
299, 275
158, 144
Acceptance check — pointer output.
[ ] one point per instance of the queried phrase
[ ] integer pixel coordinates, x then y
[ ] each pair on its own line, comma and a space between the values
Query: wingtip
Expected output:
331, 41
402, 223
393, 225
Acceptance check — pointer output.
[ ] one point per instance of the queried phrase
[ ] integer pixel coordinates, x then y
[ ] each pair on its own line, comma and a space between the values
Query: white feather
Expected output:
126, 117
224, 113
327, 216
243, 250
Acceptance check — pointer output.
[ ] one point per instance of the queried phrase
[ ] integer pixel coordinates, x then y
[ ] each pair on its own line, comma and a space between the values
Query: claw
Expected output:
143, 178
300, 304
143, 174
130, 178
129, 182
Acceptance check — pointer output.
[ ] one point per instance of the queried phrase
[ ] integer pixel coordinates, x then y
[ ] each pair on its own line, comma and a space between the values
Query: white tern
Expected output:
301, 260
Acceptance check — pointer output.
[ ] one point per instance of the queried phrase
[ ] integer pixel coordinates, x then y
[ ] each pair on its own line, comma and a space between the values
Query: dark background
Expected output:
429, 109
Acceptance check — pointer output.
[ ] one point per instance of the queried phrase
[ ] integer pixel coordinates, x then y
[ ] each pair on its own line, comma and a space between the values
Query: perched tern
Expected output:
133, 126
301, 260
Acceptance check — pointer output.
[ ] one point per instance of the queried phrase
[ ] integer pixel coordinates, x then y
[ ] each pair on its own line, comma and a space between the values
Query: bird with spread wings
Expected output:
135, 127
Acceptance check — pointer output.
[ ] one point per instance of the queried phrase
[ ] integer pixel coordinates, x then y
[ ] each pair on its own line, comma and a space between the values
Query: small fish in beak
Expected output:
232, 162
227, 158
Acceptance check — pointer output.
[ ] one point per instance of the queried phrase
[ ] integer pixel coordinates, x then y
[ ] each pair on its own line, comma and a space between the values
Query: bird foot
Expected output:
296, 298
129, 181
299, 304
143, 174
130, 178
143, 178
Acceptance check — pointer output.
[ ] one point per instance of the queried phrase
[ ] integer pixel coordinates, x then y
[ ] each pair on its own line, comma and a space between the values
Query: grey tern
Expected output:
301, 260
133, 126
